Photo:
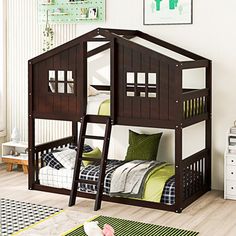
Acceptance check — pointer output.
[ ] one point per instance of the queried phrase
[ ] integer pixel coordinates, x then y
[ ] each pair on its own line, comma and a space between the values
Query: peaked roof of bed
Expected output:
117, 34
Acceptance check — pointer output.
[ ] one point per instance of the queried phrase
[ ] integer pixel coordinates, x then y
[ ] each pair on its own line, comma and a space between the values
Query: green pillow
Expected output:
142, 146
95, 154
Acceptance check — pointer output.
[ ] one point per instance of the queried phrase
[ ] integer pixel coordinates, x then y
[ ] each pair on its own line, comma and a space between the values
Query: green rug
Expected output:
133, 228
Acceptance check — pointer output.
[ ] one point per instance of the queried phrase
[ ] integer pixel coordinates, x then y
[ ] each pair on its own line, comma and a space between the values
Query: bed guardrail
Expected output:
46, 148
54, 144
194, 175
195, 103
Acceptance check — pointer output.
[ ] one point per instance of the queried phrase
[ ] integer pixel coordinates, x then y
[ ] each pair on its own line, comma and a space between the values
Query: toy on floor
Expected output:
108, 230
92, 229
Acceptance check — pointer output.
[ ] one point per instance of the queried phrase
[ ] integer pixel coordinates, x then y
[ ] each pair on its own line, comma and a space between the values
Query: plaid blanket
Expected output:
91, 172
168, 194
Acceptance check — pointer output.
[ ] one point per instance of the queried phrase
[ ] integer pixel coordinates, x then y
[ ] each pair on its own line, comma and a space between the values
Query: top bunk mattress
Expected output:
99, 104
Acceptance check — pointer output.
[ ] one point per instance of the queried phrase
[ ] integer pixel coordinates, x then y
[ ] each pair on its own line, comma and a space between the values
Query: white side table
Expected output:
15, 154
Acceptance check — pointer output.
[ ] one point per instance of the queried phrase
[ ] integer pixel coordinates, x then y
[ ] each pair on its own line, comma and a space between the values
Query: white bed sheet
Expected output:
51, 177
94, 103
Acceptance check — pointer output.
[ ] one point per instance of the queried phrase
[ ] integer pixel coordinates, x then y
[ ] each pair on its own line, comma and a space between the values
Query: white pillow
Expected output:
66, 158
92, 91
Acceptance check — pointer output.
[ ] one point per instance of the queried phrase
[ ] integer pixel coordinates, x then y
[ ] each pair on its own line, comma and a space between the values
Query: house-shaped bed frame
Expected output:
169, 107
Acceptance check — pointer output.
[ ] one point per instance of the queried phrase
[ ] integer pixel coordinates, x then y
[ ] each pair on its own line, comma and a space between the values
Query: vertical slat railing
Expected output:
45, 149
195, 103
194, 174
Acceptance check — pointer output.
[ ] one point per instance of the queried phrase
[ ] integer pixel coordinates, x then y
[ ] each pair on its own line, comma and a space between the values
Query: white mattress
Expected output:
56, 178
94, 103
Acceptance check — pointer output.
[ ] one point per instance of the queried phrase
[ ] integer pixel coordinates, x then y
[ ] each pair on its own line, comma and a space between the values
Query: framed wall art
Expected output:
169, 12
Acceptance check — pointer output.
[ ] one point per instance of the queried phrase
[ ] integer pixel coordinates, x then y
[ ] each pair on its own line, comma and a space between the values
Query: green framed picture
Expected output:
159, 12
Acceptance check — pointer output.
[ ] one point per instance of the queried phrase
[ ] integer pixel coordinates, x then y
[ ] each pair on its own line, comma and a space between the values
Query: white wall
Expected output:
212, 35
3, 69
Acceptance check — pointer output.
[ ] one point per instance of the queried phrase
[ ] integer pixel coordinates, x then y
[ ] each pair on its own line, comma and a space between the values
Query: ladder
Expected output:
79, 158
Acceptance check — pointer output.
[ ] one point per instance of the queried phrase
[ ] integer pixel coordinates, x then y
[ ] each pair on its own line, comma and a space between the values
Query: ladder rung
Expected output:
90, 159
97, 119
85, 181
94, 137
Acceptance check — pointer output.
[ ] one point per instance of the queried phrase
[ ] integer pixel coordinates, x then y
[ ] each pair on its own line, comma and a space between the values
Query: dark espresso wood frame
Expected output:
172, 108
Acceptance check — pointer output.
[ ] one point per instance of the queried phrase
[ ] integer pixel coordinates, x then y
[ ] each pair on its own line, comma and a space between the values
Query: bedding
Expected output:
51, 161
99, 104
142, 146
65, 157
93, 155
86, 148
92, 91
104, 108
63, 179
129, 179
157, 184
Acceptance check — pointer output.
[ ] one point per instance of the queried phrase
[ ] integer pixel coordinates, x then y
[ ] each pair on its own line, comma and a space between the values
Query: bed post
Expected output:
83, 65
208, 126
31, 136
75, 132
178, 169
113, 55
178, 140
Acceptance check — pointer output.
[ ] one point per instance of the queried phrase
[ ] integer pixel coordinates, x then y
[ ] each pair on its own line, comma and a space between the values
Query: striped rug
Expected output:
133, 228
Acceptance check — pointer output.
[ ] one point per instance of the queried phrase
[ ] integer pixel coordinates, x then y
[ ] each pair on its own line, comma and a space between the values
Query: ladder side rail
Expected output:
103, 163
78, 162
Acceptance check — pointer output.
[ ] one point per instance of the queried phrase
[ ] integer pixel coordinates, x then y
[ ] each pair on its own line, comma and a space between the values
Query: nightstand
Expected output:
15, 154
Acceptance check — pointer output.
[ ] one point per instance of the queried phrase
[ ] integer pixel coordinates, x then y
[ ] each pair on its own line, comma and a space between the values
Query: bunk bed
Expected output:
161, 104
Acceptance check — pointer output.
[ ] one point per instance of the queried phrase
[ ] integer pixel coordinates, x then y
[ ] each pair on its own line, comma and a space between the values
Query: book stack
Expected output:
232, 141
233, 130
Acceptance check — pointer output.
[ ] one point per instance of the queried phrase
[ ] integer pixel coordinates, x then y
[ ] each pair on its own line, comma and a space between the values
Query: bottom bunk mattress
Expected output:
159, 187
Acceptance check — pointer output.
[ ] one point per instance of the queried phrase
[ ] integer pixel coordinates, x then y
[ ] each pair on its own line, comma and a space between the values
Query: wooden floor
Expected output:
211, 215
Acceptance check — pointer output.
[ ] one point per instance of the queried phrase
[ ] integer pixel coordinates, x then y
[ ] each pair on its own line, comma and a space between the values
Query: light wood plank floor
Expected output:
211, 215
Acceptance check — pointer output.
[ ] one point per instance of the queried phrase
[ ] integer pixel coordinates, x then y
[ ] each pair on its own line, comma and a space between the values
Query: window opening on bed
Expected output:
141, 84
98, 80
61, 81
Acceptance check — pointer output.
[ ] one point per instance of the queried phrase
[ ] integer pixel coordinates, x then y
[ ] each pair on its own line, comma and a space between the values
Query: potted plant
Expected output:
47, 36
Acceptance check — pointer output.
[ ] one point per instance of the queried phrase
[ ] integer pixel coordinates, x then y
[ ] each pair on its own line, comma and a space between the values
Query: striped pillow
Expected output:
66, 158
51, 159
